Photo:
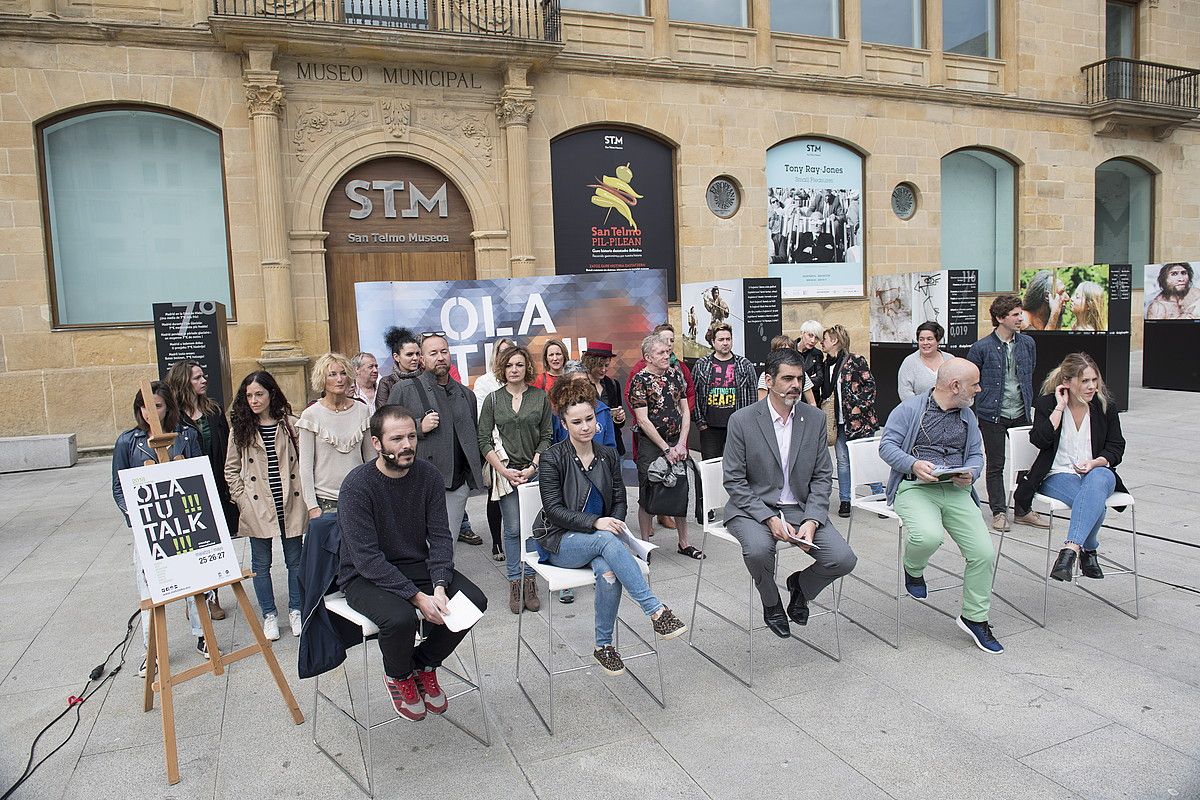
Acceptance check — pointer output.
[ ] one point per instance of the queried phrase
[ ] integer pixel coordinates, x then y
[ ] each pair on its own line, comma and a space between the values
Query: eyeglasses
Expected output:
427, 334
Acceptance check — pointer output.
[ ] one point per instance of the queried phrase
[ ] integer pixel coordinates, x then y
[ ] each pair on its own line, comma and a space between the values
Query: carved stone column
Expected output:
281, 351
513, 110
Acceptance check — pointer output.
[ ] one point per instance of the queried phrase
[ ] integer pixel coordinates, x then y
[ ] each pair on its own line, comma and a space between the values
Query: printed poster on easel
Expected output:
179, 532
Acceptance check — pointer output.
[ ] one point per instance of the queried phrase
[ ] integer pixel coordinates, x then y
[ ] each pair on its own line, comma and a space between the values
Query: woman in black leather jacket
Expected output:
583, 510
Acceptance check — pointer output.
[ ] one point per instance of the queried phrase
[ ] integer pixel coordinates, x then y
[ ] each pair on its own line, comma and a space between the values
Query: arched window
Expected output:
135, 205
978, 215
1124, 213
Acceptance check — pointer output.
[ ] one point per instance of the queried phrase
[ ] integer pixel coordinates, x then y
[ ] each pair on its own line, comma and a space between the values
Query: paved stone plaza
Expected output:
1095, 706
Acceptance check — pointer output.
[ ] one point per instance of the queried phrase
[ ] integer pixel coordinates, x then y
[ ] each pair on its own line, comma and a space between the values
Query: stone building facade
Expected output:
300, 99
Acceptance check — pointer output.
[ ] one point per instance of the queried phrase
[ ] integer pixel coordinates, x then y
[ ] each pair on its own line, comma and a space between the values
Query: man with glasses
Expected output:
445, 413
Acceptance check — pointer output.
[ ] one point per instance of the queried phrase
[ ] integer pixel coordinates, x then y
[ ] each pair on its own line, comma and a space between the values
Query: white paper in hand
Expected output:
639, 548
462, 613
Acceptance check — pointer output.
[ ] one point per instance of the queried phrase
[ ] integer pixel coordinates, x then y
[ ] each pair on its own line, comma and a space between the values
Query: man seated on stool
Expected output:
782, 493
936, 430
397, 558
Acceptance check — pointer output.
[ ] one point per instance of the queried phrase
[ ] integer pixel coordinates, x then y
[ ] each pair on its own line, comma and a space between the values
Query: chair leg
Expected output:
1049, 565
837, 602
696, 597
367, 705
1136, 593
549, 651
899, 579
750, 628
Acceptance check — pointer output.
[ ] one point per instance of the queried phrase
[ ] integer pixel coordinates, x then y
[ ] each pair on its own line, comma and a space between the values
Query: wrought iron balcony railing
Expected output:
1125, 79
534, 20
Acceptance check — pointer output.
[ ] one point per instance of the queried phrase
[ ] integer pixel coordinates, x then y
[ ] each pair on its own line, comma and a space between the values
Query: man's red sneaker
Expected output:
405, 698
435, 698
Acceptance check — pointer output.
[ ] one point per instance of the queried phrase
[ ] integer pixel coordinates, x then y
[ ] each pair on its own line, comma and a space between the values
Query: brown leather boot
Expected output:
514, 596
532, 602
214, 607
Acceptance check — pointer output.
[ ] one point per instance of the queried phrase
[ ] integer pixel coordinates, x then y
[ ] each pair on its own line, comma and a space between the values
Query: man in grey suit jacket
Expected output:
446, 425
768, 504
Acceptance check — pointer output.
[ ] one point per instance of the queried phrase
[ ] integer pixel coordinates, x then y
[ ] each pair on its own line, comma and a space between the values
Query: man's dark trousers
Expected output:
994, 434
397, 620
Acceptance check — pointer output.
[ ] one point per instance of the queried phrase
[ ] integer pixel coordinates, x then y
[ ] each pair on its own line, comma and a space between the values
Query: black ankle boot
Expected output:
1064, 565
1089, 564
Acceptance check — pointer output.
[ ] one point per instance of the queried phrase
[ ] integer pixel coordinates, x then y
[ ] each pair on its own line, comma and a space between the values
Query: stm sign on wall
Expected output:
395, 204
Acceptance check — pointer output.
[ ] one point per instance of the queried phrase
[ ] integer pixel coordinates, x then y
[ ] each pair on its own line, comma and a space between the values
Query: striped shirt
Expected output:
273, 477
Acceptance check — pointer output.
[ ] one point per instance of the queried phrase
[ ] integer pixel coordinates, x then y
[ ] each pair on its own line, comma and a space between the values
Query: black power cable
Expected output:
75, 702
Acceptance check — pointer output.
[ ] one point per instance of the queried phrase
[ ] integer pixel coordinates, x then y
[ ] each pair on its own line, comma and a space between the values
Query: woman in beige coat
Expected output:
262, 469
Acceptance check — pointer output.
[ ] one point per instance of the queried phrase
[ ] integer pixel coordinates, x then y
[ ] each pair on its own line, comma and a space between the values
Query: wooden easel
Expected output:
157, 651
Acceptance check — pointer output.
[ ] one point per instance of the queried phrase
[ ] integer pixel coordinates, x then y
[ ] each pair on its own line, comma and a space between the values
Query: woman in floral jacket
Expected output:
848, 380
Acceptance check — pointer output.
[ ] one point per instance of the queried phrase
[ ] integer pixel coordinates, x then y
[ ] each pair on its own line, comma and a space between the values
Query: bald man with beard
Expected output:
933, 445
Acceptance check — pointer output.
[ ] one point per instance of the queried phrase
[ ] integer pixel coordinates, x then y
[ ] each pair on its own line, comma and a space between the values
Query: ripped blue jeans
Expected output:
605, 554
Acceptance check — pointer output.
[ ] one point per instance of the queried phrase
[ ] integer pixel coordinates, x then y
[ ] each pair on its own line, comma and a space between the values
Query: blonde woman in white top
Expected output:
485, 384
1078, 430
333, 434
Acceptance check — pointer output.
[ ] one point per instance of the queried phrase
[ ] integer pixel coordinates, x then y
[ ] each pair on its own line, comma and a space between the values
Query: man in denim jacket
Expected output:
1006, 358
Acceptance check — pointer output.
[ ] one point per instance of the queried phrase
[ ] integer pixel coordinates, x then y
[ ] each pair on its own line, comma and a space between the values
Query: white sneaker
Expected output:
271, 627
142, 668
294, 619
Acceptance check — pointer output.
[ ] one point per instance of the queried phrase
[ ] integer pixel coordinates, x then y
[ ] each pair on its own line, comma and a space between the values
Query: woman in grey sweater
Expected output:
918, 372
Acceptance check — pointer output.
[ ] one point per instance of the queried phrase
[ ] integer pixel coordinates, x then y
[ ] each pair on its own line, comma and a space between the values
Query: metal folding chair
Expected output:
558, 578
712, 483
1018, 459
336, 603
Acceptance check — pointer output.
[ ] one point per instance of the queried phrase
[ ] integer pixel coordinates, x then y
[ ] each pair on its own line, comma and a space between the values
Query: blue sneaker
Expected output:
981, 632
566, 596
915, 586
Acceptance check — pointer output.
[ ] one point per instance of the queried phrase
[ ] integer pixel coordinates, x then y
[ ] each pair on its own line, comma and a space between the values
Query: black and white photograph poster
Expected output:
179, 531
815, 223
613, 193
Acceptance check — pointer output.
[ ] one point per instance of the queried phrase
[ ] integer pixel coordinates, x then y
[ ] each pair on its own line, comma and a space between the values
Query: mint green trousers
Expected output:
928, 510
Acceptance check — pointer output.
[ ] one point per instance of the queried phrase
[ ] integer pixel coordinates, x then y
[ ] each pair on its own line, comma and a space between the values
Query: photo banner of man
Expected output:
752, 307
1066, 298
815, 223
613, 194
179, 531
617, 308
1172, 291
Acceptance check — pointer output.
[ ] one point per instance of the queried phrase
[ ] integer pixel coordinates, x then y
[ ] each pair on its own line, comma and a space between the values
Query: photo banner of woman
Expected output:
815, 224
753, 307
613, 193
618, 308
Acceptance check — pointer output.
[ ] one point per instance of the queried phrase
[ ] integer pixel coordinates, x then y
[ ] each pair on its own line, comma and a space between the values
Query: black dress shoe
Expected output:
844, 509
1089, 564
1064, 565
797, 607
777, 621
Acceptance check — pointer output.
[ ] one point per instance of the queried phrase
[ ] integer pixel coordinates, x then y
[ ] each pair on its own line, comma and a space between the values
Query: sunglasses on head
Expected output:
427, 334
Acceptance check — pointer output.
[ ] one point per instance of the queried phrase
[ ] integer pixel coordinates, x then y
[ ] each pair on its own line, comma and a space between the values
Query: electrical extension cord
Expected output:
76, 702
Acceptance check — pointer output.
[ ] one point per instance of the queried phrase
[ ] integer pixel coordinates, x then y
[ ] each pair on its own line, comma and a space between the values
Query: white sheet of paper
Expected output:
636, 546
462, 613
950, 472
